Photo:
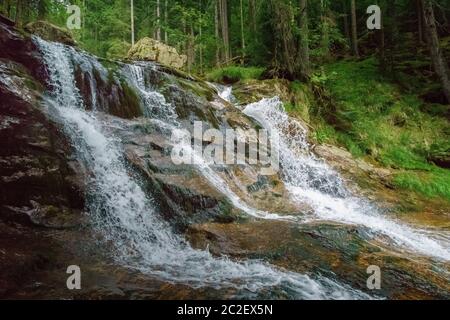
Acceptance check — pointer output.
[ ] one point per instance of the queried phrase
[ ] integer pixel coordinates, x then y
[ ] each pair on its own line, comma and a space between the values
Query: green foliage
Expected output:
321, 77
117, 49
371, 118
234, 74
324, 133
374, 119
433, 184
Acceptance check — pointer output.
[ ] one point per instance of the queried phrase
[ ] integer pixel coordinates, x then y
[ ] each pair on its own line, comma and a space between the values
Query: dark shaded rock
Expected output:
7, 21
112, 95
21, 49
41, 187
181, 193
34, 154
440, 156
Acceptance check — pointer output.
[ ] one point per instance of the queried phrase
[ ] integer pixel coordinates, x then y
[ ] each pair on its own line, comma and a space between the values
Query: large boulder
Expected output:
50, 32
148, 49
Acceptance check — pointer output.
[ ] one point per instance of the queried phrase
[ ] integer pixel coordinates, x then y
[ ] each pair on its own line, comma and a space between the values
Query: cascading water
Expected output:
311, 181
124, 214
225, 92
136, 74
155, 105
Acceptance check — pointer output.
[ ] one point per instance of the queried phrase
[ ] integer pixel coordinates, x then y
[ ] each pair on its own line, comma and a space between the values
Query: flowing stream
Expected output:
126, 216
311, 181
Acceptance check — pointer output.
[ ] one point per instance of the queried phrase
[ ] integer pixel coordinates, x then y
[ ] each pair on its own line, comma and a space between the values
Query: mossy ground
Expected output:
233, 74
374, 119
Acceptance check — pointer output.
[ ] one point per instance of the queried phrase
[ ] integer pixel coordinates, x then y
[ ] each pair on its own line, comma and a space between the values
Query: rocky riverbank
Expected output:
46, 187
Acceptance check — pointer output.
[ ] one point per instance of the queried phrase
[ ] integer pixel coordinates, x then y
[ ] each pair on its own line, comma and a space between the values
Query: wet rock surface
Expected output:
334, 250
44, 227
41, 185
20, 48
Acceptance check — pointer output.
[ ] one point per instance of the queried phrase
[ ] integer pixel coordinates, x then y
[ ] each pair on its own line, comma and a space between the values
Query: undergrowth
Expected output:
233, 74
373, 118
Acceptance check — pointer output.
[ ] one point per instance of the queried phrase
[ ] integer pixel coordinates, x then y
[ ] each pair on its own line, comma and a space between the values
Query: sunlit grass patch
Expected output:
375, 119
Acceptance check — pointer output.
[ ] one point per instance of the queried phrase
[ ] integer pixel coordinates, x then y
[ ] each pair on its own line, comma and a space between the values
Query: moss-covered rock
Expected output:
50, 32
250, 91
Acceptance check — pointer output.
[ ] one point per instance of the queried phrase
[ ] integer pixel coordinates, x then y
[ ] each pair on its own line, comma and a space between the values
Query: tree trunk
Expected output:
439, 63
19, 13
132, 23
285, 61
346, 24
419, 21
223, 13
242, 34
304, 35
325, 41
216, 29
252, 14
3, 6
158, 20
83, 26
166, 21
191, 48
382, 47
185, 43
354, 30
42, 10
200, 46
6, 8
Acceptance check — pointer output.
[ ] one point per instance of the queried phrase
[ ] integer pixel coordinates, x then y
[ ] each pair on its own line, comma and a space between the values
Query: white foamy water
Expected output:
218, 182
224, 92
311, 181
136, 74
125, 215
155, 105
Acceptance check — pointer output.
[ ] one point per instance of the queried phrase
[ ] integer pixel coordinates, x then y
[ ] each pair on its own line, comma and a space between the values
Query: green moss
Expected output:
324, 133
50, 32
198, 88
129, 103
111, 65
234, 74
118, 49
432, 184
403, 158
298, 87
373, 118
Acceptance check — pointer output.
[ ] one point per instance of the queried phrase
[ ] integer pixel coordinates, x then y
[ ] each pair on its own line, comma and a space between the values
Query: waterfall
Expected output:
224, 92
208, 172
64, 90
125, 215
135, 73
311, 181
155, 105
